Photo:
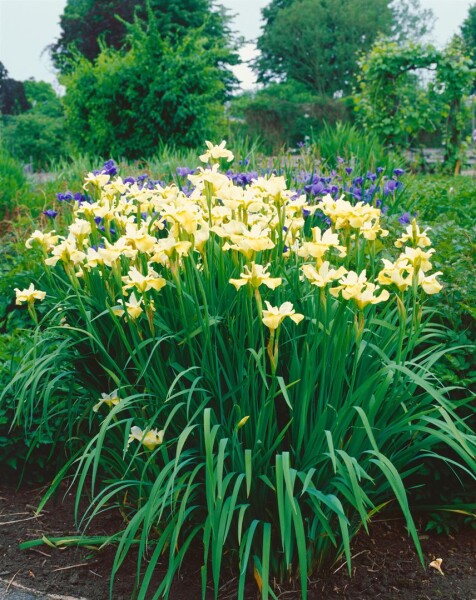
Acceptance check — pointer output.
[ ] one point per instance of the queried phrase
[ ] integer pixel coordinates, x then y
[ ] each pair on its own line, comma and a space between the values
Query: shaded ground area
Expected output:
385, 566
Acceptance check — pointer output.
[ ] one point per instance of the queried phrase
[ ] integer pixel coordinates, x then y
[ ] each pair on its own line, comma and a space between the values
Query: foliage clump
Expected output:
259, 362
392, 102
127, 102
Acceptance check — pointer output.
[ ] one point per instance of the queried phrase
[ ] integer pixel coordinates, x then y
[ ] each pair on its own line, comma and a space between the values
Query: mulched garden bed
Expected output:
385, 566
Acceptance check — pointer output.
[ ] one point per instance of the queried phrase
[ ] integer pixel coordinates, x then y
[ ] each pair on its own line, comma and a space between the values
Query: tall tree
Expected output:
468, 35
13, 100
317, 42
411, 22
87, 25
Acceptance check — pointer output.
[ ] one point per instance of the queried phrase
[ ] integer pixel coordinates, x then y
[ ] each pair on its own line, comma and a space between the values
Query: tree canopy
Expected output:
318, 42
89, 25
38, 134
13, 100
468, 35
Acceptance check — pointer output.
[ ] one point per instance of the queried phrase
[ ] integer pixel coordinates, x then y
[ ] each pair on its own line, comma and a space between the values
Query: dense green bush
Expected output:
127, 103
448, 205
38, 136
12, 181
36, 139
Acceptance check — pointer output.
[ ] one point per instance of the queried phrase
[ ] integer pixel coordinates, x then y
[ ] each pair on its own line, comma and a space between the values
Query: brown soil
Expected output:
385, 566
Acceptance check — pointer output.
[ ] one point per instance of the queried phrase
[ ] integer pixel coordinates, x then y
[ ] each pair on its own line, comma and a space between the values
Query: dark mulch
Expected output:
385, 565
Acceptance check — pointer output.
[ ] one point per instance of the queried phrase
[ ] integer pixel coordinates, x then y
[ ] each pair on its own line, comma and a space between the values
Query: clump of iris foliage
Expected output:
250, 365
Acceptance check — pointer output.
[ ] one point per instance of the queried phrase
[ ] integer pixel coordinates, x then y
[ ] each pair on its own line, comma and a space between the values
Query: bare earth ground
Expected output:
385, 566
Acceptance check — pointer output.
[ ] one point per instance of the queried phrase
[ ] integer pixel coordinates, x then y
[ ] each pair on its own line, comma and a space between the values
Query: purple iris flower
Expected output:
380, 170
371, 176
98, 220
358, 181
80, 198
348, 170
243, 179
50, 213
398, 172
184, 171
129, 180
405, 219
317, 187
66, 197
340, 160
390, 187
109, 168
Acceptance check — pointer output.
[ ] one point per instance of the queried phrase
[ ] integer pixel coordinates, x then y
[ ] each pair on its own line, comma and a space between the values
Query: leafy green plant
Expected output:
257, 384
447, 519
363, 149
12, 181
392, 102
161, 89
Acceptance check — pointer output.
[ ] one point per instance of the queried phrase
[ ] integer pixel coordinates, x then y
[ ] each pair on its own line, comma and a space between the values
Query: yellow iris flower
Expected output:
149, 439
273, 316
256, 276
28, 295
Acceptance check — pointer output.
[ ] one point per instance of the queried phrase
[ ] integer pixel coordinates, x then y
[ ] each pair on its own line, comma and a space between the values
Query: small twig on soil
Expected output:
40, 552
11, 581
344, 563
71, 567
18, 520
94, 573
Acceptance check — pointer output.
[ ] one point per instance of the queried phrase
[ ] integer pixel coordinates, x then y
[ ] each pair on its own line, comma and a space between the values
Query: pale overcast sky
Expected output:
27, 27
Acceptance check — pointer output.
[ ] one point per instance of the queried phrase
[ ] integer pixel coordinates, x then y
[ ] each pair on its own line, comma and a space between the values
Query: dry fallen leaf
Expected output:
436, 564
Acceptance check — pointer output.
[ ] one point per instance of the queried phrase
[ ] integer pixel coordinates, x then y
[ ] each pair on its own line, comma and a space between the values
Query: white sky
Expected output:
27, 27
